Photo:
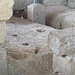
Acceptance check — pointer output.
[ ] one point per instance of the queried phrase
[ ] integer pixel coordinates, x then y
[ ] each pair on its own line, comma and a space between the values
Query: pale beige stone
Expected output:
6, 9
64, 65
36, 13
62, 42
52, 12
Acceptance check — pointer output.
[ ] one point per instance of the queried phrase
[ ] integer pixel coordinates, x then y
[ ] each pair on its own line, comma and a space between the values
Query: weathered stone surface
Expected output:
71, 3
63, 20
5, 14
36, 13
27, 48
3, 61
52, 12
2, 31
64, 65
53, 2
26, 61
62, 42
6, 9
22, 4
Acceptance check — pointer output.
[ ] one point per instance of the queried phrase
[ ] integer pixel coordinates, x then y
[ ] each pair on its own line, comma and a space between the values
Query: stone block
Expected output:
27, 48
63, 20
3, 61
62, 42
36, 13
29, 62
54, 2
6, 9
71, 3
64, 65
2, 31
52, 12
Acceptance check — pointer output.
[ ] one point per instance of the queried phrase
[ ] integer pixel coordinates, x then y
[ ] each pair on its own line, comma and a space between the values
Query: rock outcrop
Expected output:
27, 48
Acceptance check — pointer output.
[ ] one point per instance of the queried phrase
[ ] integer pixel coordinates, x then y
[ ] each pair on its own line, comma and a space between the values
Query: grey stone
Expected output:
71, 3
63, 20
52, 12
5, 14
22, 4
27, 48
36, 13
62, 42
64, 65
54, 2
3, 61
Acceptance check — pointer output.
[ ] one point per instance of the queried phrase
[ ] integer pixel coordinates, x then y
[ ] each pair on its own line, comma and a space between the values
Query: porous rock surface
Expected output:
27, 48
64, 20
60, 17
64, 65
36, 13
6, 9
62, 42
2, 31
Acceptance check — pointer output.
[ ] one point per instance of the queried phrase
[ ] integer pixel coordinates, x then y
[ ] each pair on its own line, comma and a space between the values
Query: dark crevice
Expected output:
39, 30
25, 44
